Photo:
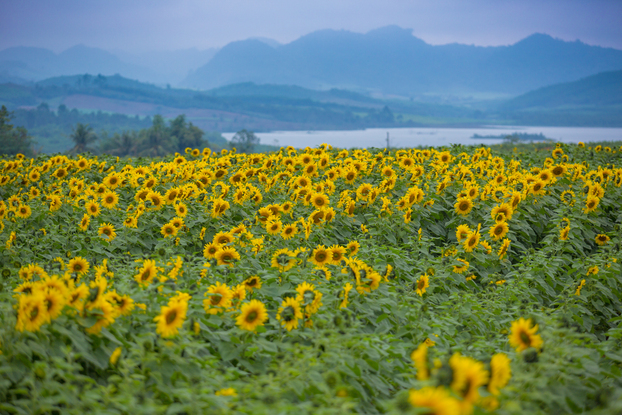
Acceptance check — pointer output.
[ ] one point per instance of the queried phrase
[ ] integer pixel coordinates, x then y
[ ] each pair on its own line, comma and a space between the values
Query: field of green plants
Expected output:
462, 280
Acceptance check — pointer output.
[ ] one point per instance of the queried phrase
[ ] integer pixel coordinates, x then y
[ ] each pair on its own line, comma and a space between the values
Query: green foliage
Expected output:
244, 141
13, 140
351, 359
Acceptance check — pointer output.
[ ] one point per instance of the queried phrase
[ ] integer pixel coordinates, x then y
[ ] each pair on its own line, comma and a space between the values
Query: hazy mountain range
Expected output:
386, 61
391, 60
27, 64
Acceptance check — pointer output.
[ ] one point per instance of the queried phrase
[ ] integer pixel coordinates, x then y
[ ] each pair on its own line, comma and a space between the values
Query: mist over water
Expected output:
413, 137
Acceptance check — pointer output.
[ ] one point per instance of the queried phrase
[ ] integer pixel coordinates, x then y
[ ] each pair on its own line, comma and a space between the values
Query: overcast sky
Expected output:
138, 25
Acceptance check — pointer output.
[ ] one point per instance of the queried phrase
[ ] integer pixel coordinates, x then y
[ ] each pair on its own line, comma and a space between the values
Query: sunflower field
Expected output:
458, 280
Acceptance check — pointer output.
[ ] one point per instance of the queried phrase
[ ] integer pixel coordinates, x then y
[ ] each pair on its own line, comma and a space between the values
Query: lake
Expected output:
413, 137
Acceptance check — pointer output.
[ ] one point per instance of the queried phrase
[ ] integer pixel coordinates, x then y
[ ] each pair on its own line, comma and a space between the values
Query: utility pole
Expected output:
387, 140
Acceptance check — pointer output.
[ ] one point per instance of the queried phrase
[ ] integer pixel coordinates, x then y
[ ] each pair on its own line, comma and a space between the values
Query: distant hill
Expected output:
392, 61
592, 101
29, 64
600, 90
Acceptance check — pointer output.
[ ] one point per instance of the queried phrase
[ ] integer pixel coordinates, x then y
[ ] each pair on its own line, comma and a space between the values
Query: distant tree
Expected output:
156, 141
13, 140
185, 134
244, 141
124, 144
82, 136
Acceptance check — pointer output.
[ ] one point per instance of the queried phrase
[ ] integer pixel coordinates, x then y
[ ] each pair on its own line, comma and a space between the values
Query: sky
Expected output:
150, 25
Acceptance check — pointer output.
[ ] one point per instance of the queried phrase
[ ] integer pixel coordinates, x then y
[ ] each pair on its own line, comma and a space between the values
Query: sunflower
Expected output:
353, 247
471, 241
502, 212
78, 265
168, 230
436, 401
32, 312
558, 170
23, 211
459, 269
309, 297
346, 290
499, 230
316, 217
500, 373
350, 175
289, 231
463, 206
504, 248
171, 318
319, 200
591, 203
156, 199
336, 254
367, 279
147, 273
109, 199
178, 223
422, 283
420, 360
107, 231
55, 203
219, 208
123, 303
252, 315
563, 234
524, 335
274, 226
227, 256
537, 187
171, 195
567, 197
468, 376
54, 304
218, 298
181, 209
103, 318
289, 313
462, 232
252, 283
284, 259
581, 285
320, 256
238, 292
77, 297
601, 239
223, 238
210, 250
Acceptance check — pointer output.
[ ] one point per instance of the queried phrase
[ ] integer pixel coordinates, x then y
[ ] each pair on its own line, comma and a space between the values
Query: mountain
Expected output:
391, 60
169, 66
34, 64
601, 90
593, 101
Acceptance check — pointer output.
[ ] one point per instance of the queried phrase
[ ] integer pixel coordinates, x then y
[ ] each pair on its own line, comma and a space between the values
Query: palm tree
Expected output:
82, 136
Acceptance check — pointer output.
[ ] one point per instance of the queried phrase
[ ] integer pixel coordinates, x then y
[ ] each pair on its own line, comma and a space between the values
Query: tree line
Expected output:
160, 139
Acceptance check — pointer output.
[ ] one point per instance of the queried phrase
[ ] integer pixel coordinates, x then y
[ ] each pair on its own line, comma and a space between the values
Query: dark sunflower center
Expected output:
34, 313
420, 284
525, 338
464, 206
251, 317
215, 299
171, 316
